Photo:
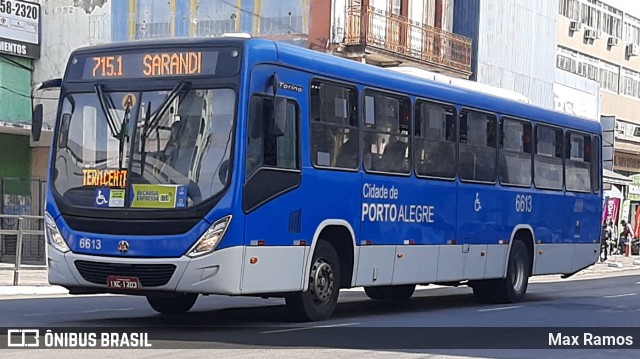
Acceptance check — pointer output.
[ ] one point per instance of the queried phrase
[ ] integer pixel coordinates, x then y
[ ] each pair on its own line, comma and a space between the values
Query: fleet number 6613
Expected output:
524, 203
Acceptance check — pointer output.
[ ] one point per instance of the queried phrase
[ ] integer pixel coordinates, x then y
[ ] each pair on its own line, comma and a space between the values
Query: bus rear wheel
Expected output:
513, 287
319, 301
178, 304
391, 292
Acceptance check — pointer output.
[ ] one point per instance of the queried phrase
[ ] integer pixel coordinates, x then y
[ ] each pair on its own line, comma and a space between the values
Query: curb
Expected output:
31, 290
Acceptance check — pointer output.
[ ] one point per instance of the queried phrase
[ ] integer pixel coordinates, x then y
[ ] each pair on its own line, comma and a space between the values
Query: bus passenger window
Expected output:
595, 163
477, 146
335, 139
514, 166
265, 150
578, 163
386, 133
435, 140
547, 161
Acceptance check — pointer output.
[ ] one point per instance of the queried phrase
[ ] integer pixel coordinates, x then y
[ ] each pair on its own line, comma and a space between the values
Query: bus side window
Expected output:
578, 162
477, 146
514, 165
596, 150
547, 160
435, 140
264, 150
386, 133
335, 139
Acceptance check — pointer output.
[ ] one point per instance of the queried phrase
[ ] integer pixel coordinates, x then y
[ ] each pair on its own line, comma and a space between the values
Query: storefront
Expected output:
617, 204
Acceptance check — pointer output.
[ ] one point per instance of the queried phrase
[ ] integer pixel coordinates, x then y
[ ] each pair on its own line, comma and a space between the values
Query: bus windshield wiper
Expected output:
151, 120
113, 127
151, 123
122, 133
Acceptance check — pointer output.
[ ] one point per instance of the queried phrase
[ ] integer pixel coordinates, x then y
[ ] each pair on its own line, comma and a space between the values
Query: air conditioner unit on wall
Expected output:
633, 50
613, 41
574, 26
590, 34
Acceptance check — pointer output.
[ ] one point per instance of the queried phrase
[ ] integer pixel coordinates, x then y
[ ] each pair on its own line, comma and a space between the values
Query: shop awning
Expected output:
615, 178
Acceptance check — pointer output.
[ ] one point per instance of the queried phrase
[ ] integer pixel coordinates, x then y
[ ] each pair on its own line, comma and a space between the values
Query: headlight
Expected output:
210, 239
54, 237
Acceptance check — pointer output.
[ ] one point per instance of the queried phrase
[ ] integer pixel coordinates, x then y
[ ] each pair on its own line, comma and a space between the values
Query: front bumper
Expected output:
217, 273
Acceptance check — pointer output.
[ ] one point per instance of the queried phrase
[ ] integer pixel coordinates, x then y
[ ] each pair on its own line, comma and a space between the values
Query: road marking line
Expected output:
87, 312
308, 328
106, 310
501, 308
620, 295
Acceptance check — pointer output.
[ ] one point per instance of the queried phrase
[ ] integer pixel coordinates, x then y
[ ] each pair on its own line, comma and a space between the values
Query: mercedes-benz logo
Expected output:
123, 246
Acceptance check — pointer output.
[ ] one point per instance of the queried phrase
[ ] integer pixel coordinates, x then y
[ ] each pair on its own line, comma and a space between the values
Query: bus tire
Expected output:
390, 292
319, 301
179, 304
513, 287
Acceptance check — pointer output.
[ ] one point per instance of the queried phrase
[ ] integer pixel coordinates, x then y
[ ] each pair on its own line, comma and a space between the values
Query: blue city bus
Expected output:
248, 167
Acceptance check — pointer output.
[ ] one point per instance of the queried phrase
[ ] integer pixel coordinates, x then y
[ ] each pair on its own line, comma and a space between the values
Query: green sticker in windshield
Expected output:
158, 196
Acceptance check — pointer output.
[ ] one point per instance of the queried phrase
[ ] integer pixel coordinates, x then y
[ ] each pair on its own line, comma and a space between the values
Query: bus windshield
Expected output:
145, 149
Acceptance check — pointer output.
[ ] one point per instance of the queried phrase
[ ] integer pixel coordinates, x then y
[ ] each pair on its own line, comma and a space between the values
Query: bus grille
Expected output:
150, 275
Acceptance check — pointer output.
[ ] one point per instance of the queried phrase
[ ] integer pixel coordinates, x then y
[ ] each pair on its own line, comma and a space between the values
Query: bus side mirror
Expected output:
36, 123
64, 131
278, 119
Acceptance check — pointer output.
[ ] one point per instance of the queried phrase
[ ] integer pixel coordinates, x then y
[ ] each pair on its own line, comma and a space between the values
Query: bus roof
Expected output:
351, 71
368, 75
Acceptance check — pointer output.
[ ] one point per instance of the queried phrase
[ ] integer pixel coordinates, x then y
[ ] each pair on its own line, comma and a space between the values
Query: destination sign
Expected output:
153, 64
157, 64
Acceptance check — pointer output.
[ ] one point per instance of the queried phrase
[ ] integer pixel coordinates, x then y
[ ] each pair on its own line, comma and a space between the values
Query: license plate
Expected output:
123, 282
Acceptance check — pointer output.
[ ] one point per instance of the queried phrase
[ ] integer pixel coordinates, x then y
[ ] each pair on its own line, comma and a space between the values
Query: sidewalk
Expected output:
30, 282
34, 282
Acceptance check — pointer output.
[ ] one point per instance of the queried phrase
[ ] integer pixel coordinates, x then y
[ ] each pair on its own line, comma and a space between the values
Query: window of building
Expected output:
547, 161
630, 83
570, 9
265, 149
386, 133
335, 139
477, 146
631, 29
435, 140
590, 67
514, 167
578, 162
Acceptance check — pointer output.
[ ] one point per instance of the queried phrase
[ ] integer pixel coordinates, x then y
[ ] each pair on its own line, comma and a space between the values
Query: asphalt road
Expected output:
243, 327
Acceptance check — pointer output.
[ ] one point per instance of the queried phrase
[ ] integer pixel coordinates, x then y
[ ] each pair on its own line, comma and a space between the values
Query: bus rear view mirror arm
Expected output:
37, 118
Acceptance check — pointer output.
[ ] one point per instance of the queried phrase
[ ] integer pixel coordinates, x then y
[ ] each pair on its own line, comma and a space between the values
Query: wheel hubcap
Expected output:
321, 286
517, 280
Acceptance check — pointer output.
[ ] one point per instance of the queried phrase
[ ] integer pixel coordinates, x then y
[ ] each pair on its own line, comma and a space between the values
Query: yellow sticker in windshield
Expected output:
129, 101
105, 178
158, 196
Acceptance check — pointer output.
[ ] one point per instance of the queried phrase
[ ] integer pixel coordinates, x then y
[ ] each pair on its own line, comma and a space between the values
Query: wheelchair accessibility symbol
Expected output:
101, 200
476, 204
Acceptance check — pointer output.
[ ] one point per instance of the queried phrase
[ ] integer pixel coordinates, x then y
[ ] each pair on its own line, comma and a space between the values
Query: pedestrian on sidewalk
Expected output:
625, 235
604, 242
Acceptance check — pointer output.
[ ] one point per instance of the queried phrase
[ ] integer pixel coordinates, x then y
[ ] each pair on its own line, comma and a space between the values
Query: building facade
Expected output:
19, 47
513, 44
601, 43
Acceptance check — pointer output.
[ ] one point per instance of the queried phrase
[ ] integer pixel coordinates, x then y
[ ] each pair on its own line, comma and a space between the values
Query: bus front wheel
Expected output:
319, 300
179, 304
513, 287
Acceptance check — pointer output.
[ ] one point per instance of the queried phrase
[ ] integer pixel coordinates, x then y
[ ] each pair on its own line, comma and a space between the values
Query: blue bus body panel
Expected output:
434, 212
